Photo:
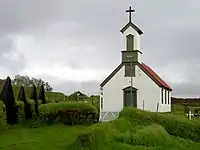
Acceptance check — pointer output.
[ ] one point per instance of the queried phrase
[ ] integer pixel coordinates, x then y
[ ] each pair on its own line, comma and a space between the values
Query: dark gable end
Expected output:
133, 26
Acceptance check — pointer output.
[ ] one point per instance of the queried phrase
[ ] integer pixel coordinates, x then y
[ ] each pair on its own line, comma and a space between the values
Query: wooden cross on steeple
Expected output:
130, 11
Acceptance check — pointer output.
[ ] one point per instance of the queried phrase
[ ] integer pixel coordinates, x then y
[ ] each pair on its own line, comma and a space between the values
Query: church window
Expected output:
128, 70
101, 102
162, 96
130, 42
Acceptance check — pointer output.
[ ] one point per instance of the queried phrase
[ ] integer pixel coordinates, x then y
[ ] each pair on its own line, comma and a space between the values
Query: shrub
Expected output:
33, 96
39, 102
31, 105
21, 95
68, 113
27, 107
3, 121
174, 125
20, 113
41, 95
197, 111
8, 98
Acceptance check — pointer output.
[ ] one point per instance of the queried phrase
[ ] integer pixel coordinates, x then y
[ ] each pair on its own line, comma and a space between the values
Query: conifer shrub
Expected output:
39, 102
3, 121
20, 113
27, 106
33, 96
41, 95
175, 125
68, 113
31, 108
12, 110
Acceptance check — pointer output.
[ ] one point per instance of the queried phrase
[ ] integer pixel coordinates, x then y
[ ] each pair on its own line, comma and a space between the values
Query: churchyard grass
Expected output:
134, 129
53, 137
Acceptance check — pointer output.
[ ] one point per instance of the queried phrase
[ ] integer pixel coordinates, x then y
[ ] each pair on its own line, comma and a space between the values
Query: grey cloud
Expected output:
186, 90
6, 45
170, 28
6, 49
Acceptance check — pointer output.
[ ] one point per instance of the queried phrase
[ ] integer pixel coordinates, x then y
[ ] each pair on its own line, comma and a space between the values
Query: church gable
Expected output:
146, 69
130, 24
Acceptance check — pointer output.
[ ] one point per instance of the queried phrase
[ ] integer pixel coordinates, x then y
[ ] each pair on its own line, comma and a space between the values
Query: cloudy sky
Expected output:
60, 41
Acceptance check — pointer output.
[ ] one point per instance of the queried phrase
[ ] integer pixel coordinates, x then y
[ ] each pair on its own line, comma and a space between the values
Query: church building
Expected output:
133, 83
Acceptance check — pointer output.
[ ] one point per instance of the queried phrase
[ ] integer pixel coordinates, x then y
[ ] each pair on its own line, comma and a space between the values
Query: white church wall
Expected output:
148, 91
113, 93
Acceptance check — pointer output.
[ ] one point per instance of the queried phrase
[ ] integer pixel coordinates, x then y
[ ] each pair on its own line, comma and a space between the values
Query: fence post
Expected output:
157, 107
143, 105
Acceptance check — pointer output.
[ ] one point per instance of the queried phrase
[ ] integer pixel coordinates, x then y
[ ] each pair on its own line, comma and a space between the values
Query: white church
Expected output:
133, 83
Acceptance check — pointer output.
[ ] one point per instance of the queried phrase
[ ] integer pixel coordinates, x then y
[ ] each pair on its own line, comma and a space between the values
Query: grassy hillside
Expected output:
134, 129
54, 137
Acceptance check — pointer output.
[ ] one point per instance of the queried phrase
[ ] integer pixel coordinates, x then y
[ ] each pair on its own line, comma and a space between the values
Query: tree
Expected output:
8, 98
33, 96
27, 81
41, 95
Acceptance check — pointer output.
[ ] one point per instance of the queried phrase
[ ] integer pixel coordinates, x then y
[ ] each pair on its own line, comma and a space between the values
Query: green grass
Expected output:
54, 137
116, 135
134, 129
121, 134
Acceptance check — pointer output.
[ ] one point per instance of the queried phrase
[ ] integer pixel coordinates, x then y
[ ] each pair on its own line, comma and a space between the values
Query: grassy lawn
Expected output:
53, 137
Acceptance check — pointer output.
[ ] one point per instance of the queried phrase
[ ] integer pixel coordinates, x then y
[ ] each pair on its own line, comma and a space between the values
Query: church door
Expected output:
128, 100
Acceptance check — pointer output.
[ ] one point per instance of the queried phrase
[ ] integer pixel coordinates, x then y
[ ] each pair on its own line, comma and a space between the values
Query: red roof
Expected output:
155, 77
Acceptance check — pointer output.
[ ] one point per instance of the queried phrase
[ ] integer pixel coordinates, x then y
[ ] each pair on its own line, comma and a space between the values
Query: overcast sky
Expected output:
74, 45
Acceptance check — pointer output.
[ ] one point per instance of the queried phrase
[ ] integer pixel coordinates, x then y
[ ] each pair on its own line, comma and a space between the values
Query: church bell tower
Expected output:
131, 53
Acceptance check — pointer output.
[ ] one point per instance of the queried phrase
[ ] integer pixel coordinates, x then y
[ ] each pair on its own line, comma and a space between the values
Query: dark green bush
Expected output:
20, 113
41, 95
33, 96
27, 108
3, 121
7, 97
31, 108
174, 125
197, 111
68, 113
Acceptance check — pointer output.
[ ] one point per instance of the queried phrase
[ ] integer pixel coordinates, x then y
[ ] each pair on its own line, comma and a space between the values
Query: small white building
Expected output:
133, 83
